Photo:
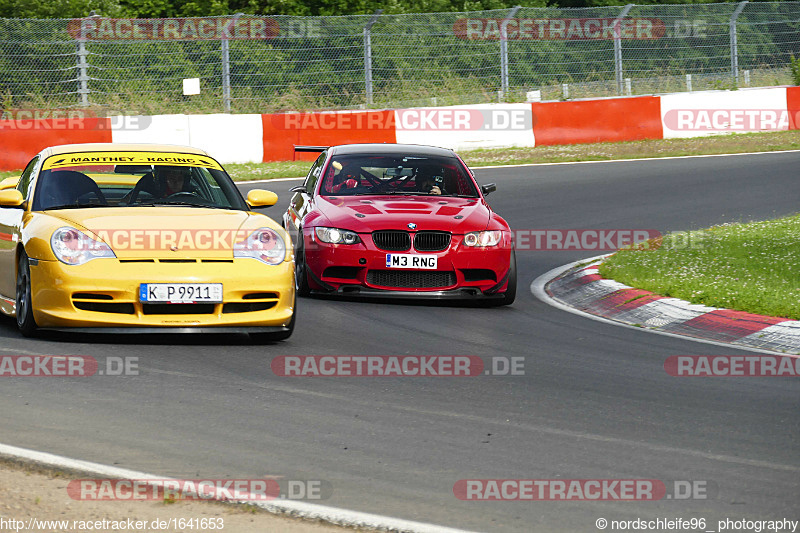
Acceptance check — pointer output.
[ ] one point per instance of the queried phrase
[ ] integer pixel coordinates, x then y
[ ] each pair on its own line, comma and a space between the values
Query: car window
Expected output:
91, 179
314, 173
379, 174
25, 178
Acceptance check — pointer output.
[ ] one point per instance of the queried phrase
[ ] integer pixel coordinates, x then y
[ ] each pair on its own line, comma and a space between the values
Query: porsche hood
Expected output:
166, 233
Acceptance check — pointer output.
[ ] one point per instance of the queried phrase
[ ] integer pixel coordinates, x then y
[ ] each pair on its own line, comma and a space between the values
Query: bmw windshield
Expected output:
349, 175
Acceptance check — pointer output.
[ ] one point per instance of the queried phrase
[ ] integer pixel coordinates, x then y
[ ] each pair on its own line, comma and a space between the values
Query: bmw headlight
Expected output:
483, 238
337, 236
74, 247
263, 244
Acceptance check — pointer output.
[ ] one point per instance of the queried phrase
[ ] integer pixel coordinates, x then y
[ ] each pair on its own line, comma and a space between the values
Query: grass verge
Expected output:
749, 267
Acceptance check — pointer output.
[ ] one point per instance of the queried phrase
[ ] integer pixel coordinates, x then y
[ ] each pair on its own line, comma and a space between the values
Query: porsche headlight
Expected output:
74, 247
483, 238
263, 244
337, 236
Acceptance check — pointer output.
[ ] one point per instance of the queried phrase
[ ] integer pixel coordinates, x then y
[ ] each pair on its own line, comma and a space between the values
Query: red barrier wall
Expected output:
283, 131
22, 139
590, 121
793, 104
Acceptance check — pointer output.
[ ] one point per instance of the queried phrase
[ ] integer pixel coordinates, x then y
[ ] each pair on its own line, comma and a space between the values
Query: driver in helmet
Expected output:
347, 178
428, 184
171, 180
161, 182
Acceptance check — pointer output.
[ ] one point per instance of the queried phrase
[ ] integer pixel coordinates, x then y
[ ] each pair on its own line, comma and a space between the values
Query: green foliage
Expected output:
201, 8
748, 267
794, 65
57, 8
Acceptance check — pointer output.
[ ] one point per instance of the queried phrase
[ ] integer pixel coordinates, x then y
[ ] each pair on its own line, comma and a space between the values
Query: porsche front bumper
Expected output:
104, 293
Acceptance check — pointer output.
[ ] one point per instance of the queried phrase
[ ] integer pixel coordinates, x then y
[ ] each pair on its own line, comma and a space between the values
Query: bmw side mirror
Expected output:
299, 188
489, 187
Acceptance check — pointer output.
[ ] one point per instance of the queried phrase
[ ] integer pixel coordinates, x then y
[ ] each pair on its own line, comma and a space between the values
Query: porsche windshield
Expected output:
128, 179
397, 174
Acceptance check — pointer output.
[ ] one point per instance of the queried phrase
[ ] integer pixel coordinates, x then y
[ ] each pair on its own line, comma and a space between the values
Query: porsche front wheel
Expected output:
300, 267
24, 303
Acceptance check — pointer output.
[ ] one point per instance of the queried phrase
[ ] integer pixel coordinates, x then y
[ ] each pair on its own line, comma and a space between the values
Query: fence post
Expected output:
87, 25
368, 55
735, 43
226, 64
83, 76
618, 46
504, 49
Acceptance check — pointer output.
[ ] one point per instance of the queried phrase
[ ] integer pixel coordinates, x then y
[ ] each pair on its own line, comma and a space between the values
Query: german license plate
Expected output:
180, 293
415, 261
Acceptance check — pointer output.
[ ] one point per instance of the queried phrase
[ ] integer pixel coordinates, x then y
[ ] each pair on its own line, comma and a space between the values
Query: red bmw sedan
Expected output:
393, 220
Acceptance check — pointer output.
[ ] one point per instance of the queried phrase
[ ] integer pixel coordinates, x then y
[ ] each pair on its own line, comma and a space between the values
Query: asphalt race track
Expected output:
594, 403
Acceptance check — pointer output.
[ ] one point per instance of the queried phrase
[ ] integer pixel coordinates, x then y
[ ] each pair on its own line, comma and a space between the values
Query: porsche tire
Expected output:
24, 303
301, 269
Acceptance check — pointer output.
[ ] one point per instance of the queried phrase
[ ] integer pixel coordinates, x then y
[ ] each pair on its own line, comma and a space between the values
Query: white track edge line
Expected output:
268, 180
537, 288
298, 509
635, 159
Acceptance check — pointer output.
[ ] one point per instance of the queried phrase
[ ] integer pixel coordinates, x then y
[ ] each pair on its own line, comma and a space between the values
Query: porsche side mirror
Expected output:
261, 198
9, 183
489, 187
11, 198
299, 188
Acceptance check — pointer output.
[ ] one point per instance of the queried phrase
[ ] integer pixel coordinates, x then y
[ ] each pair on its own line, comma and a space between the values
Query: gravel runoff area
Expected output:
33, 492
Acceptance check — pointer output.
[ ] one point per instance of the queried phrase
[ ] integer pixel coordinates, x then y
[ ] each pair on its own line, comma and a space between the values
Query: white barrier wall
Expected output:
466, 127
229, 138
161, 129
702, 114
256, 138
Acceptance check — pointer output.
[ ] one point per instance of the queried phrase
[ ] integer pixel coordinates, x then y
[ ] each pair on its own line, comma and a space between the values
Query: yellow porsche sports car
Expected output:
141, 238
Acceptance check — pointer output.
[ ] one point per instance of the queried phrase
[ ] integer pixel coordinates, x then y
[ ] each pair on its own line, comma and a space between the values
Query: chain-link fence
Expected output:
259, 64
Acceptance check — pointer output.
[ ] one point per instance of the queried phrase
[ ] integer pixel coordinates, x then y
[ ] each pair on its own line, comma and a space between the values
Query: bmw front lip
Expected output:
464, 293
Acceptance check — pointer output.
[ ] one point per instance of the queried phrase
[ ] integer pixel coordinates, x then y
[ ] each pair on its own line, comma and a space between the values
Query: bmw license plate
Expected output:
416, 261
180, 293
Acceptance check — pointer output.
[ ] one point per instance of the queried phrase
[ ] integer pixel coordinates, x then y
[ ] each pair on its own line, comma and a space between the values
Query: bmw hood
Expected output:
364, 214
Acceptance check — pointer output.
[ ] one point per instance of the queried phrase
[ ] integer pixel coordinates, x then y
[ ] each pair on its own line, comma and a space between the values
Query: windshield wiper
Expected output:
178, 202
391, 191
75, 206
